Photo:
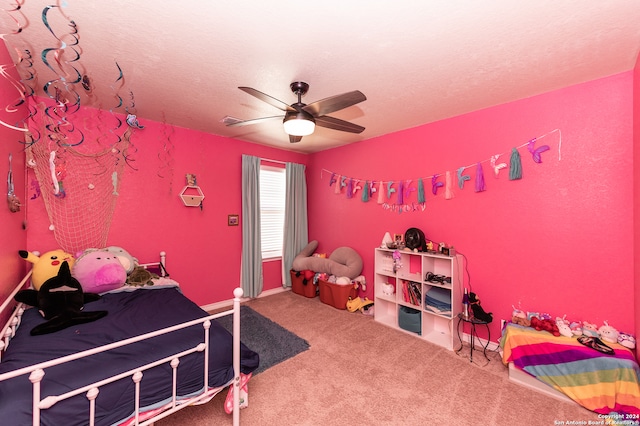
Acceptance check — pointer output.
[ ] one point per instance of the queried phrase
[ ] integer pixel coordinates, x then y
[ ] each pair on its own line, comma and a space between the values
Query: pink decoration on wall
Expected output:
380, 194
448, 188
338, 186
479, 178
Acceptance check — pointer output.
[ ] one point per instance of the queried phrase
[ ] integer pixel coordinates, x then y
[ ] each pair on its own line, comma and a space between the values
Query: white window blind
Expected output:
272, 197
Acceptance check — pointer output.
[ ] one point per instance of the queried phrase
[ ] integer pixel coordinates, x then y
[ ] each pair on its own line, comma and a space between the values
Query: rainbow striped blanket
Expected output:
601, 383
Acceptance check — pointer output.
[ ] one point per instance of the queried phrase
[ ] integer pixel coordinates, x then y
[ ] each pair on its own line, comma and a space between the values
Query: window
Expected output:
272, 202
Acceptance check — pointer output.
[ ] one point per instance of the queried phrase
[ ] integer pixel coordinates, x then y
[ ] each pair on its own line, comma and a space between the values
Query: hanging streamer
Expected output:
448, 188
435, 184
421, 198
400, 199
535, 153
332, 180
515, 168
380, 194
479, 178
390, 190
356, 186
338, 186
365, 192
462, 178
372, 188
408, 189
495, 166
350, 188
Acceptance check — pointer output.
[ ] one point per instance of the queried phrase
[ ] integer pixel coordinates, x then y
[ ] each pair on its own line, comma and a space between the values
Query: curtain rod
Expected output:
272, 161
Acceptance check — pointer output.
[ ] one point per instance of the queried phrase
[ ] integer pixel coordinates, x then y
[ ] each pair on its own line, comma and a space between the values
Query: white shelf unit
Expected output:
438, 327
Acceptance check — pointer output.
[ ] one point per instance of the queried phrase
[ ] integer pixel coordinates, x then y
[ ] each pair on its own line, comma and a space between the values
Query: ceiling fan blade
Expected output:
337, 124
239, 123
334, 103
294, 139
266, 98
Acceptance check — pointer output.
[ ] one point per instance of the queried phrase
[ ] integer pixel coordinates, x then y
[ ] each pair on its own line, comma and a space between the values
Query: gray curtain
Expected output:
251, 271
296, 235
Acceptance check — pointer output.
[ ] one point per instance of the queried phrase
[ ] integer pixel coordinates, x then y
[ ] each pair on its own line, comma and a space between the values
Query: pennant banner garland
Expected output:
398, 195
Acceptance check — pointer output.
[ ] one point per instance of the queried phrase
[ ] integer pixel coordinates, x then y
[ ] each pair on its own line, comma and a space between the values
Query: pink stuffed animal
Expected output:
99, 271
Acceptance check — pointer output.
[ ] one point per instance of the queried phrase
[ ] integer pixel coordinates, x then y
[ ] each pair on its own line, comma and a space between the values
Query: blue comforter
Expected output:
129, 314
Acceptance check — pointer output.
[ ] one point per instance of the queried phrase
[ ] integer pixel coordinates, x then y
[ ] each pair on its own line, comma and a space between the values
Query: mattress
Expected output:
130, 313
599, 382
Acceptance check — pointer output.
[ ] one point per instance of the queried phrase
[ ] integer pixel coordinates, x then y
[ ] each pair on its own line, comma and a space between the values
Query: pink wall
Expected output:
636, 193
559, 241
203, 253
12, 236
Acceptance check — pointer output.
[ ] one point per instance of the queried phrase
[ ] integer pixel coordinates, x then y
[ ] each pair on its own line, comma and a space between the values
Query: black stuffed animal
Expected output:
478, 312
61, 301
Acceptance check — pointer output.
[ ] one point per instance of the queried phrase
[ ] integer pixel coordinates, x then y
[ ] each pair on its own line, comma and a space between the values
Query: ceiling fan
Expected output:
300, 119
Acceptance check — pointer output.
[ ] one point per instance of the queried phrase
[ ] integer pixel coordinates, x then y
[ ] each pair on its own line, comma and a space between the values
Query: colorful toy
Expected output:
520, 318
627, 340
546, 325
608, 333
99, 271
589, 329
576, 328
564, 327
46, 266
61, 301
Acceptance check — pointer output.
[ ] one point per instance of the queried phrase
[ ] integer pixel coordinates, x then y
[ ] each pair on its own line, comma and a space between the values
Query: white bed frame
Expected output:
37, 372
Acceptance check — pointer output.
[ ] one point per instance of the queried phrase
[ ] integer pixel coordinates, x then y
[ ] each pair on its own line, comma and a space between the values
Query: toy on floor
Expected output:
478, 311
343, 262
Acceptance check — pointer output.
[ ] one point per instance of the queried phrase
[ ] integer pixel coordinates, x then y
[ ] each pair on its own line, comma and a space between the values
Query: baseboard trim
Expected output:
229, 302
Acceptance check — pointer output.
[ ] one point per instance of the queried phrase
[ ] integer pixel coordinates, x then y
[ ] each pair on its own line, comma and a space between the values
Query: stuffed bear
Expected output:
45, 266
60, 301
478, 312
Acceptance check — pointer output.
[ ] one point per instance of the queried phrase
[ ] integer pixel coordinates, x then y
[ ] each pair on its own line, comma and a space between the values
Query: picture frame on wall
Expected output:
233, 220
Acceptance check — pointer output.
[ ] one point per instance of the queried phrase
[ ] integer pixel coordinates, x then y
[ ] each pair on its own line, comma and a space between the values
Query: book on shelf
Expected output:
412, 293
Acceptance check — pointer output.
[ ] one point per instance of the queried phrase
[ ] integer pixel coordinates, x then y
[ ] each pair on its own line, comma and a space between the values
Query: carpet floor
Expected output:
358, 371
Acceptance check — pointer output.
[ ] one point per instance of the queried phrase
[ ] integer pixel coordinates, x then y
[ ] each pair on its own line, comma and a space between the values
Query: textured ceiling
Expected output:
416, 62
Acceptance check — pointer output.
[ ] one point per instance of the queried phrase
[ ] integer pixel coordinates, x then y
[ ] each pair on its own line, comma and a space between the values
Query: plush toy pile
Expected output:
587, 333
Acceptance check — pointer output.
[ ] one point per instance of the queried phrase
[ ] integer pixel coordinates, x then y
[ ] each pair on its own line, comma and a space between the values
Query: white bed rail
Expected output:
37, 372
10, 327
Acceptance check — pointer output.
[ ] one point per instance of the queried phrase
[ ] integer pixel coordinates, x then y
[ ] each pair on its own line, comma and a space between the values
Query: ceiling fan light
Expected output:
299, 125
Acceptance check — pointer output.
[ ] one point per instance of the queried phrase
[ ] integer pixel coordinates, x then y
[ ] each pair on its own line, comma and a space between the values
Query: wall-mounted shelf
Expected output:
191, 196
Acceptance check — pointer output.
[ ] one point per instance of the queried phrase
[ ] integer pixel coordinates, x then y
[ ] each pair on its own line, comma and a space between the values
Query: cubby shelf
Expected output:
408, 278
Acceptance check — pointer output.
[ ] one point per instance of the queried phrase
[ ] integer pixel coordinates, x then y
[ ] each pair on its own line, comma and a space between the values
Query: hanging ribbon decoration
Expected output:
435, 184
462, 178
448, 188
535, 153
400, 199
350, 188
390, 189
356, 186
515, 168
365, 192
408, 189
338, 187
479, 178
380, 194
421, 198
497, 167
332, 179
372, 188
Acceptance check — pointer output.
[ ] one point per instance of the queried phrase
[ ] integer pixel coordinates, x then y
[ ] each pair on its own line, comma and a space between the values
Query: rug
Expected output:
270, 340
